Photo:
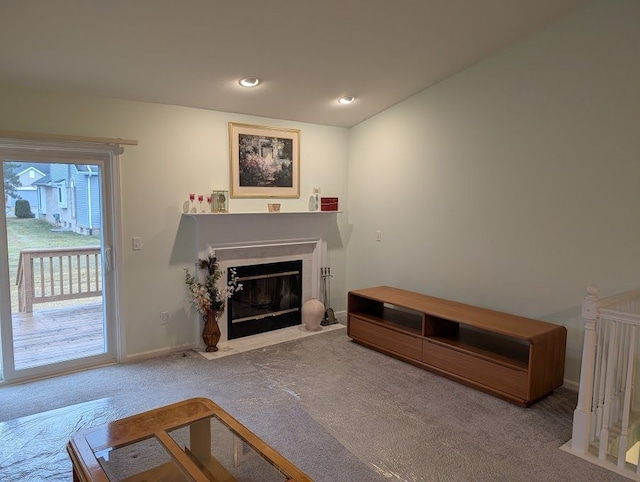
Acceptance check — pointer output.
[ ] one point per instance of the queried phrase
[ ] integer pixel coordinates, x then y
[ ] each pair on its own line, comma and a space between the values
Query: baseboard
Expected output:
160, 352
571, 385
341, 317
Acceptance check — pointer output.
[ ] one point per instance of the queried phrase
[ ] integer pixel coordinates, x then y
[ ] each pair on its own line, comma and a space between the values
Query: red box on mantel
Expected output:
328, 204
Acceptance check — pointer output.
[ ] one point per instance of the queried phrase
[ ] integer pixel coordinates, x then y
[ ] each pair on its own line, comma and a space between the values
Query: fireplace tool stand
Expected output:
329, 315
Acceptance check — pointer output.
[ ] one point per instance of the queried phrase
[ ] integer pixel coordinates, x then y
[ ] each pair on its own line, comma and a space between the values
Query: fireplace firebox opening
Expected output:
270, 299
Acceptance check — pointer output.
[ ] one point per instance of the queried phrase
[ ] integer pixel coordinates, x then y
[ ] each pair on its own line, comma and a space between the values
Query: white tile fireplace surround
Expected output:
243, 239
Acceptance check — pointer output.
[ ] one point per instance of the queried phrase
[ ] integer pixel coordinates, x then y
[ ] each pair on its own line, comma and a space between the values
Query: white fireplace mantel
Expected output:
239, 239
230, 229
263, 213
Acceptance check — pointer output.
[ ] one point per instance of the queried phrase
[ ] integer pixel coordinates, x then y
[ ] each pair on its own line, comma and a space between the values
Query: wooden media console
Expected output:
515, 358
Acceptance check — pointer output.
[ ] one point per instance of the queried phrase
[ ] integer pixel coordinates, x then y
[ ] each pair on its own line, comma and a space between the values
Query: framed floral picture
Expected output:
265, 161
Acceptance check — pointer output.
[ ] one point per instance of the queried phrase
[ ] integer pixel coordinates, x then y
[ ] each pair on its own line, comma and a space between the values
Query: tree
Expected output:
11, 180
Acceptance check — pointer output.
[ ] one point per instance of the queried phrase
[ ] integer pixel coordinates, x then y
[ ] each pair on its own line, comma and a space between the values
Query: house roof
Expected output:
43, 181
20, 173
22, 167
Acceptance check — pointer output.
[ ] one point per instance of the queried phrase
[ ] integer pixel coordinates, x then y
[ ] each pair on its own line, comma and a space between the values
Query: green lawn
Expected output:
35, 233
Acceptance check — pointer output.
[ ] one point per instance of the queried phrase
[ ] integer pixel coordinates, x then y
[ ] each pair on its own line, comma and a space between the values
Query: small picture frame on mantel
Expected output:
265, 161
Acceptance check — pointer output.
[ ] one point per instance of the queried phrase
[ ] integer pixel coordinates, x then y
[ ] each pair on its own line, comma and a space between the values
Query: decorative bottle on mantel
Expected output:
314, 200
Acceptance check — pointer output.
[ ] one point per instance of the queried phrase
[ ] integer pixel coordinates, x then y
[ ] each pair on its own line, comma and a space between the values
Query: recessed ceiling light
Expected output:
249, 81
346, 100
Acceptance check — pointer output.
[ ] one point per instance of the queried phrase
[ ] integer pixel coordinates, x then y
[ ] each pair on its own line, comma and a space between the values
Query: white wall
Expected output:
181, 150
511, 185
514, 184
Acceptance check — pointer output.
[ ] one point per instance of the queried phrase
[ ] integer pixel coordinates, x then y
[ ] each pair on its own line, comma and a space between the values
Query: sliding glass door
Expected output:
56, 256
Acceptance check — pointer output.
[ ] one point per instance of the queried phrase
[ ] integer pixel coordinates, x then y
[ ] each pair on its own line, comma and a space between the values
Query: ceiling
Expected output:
308, 52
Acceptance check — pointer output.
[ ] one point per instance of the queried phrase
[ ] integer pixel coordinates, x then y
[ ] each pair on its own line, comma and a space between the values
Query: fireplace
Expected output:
244, 239
270, 299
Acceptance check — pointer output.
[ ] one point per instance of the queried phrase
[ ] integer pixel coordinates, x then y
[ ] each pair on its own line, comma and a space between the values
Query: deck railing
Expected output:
606, 421
58, 274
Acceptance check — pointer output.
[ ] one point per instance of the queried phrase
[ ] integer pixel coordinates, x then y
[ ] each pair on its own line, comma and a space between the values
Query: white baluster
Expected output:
598, 383
582, 414
609, 387
624, 368
618, 370
624, 436
635, 400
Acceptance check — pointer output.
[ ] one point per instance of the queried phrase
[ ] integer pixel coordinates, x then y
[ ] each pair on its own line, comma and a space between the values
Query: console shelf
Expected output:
512, 357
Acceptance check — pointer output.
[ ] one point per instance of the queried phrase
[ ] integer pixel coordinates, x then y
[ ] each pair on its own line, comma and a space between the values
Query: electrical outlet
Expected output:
379, 236
164, 317
136, 243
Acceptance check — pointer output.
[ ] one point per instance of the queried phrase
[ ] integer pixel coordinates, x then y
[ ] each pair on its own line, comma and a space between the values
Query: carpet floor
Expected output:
339, 411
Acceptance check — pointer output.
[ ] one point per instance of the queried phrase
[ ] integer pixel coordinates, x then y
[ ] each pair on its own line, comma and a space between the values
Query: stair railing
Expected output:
606, 421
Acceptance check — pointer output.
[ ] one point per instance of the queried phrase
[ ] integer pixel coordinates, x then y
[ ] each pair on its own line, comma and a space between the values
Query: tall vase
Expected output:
211, 330
312, 313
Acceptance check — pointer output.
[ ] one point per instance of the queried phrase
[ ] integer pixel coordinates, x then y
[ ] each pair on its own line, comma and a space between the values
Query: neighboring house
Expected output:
65, 195
69, 197
28, 175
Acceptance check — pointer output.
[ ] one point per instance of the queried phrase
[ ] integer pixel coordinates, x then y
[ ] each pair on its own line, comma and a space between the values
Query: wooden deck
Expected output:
57, 334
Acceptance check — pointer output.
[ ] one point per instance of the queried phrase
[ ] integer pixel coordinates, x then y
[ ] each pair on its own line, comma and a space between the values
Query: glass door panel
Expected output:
53, 258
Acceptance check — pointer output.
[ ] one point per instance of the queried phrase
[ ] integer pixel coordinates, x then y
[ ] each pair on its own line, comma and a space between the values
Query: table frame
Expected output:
195, 412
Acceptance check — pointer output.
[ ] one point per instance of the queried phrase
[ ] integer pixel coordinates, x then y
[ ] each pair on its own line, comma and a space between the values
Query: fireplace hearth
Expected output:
271, 298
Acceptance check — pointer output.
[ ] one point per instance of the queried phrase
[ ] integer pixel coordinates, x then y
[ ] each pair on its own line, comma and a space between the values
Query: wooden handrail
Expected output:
57, 274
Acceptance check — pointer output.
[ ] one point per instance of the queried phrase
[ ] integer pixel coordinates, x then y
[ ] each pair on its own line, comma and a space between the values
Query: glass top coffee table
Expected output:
193, 440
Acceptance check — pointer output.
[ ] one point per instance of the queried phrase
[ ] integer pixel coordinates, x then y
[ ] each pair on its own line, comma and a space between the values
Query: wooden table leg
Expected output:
200, 439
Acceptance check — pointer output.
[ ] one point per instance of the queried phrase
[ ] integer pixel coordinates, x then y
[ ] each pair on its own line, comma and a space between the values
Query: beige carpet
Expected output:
339, 411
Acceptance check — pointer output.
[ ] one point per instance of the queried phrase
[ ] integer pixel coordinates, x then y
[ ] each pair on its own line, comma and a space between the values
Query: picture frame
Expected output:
265, 161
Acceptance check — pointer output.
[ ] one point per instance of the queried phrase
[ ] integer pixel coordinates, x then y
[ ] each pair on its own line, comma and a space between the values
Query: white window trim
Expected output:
62, 195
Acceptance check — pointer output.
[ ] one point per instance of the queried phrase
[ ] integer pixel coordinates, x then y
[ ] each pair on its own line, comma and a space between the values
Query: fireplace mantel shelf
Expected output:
281, 213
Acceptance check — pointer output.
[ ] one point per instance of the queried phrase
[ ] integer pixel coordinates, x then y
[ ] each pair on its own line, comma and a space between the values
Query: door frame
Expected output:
108, 156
